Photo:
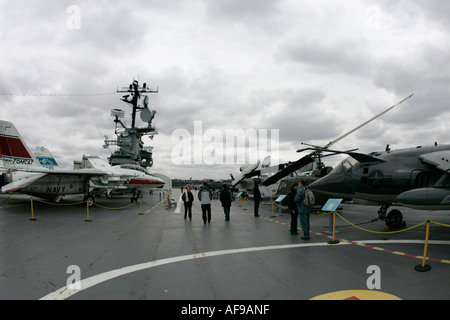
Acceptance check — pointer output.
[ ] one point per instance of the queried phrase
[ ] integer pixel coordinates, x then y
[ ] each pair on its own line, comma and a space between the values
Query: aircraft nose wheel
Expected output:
394, 219
90, 200
136, 196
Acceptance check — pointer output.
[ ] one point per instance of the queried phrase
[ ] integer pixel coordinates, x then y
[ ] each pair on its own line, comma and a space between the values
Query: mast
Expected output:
135, 91
131, 148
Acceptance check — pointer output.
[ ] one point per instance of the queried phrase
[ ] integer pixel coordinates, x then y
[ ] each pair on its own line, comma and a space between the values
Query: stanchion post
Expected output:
333, 241
140, 211
245, 198
32, 211
87, 212
273, 208
425, 267
168, 199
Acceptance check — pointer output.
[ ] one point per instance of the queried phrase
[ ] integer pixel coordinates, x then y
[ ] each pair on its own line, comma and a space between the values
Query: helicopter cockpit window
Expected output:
283, 187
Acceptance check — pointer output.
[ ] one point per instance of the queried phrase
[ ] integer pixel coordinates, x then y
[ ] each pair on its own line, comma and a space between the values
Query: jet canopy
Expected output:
344, 166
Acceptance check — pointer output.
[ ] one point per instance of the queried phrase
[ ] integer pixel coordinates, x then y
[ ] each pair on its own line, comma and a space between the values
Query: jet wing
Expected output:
244, 174
22, 183
438, 159
87, 172
33, 174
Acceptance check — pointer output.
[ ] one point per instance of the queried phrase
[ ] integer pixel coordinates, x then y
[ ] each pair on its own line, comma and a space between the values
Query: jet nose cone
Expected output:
158, 181
327, 184
333, 185
316, 185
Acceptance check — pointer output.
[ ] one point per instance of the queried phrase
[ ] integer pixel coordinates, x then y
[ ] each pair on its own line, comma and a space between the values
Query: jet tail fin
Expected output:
45, 158
92, 162
14, 152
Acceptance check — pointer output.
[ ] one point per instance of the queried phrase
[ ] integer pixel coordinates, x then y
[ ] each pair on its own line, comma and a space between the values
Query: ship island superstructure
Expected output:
130, 146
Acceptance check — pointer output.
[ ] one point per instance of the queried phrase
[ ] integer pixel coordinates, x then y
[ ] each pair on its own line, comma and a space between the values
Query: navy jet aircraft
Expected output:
22, 172
414, 177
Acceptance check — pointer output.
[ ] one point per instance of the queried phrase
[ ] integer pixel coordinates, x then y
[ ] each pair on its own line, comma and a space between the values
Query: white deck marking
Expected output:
64, 293
178, 208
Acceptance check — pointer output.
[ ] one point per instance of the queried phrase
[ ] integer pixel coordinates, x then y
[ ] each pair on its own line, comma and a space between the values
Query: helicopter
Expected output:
318, 170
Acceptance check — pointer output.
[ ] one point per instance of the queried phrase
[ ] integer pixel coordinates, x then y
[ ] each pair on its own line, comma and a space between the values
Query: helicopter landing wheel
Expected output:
394, 220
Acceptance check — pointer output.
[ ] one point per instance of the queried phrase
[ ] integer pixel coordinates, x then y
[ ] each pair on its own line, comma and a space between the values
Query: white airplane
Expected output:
244, 183
22, 172
127, 178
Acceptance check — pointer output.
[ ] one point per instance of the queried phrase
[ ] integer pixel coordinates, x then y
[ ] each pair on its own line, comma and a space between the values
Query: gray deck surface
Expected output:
247, 258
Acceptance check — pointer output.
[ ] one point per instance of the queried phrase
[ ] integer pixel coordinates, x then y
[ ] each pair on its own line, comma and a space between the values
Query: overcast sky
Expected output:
310, 69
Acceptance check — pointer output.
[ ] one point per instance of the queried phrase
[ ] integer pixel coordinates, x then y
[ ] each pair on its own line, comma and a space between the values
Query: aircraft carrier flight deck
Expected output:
151, 252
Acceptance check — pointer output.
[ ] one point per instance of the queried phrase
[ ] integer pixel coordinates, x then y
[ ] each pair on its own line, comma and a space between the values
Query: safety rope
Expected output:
441, 224
83, 202
60, 204
6, 199
282, 207
379, 232
373, 220
320, 213
110, 208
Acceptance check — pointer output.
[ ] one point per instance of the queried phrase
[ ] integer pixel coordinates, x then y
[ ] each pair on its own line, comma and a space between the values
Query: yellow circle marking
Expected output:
356, 295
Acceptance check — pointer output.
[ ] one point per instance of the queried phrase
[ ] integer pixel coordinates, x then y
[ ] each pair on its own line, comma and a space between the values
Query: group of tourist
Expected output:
297, 206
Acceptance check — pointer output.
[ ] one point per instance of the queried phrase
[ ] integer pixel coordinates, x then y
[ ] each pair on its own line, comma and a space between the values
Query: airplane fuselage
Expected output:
51, 186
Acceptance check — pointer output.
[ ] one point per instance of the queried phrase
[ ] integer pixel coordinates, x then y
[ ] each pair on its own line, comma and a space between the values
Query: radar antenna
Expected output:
131, 148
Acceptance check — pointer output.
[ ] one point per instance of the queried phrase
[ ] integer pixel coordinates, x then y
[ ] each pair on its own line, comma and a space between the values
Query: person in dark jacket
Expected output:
304, 211
257, 197
188, 198
225, 199
205, 197
293, 210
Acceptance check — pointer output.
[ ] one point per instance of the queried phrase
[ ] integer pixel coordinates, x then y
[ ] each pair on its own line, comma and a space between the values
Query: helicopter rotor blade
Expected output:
287, 170
309, 158
365, 123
